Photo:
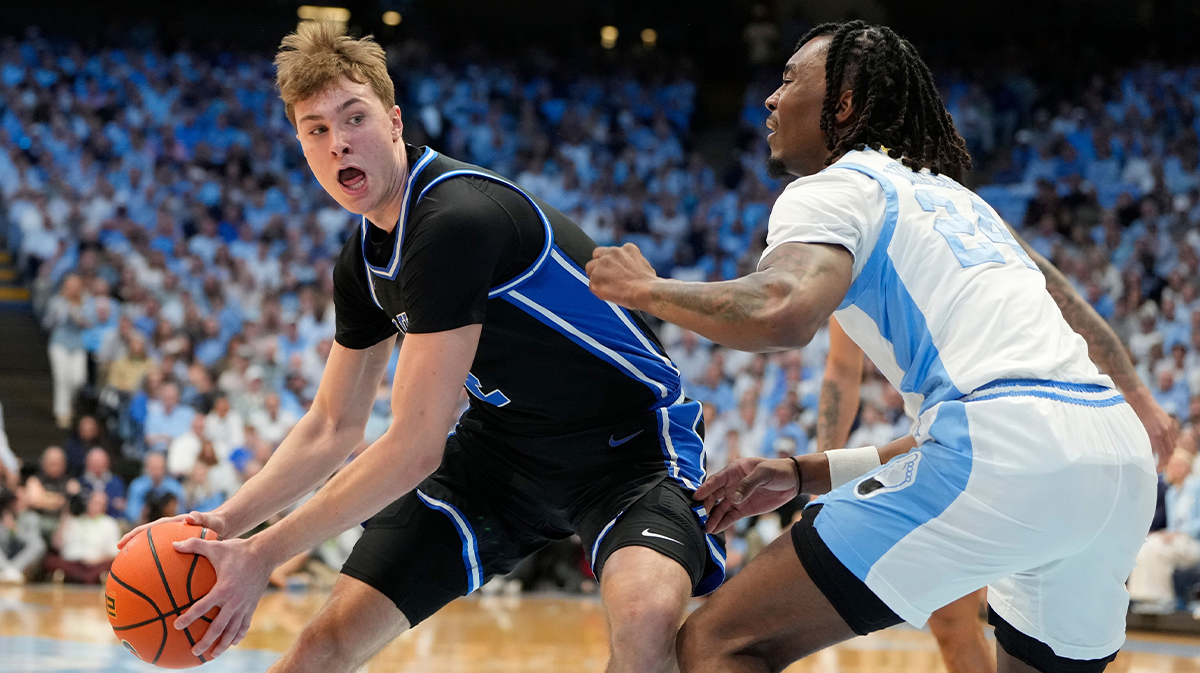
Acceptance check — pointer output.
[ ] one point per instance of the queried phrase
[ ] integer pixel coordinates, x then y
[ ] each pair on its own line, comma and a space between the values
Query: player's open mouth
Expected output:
352, 179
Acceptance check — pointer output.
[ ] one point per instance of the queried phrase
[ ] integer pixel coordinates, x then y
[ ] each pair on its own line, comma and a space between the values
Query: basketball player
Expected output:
1031, 474
956, 625
577, 422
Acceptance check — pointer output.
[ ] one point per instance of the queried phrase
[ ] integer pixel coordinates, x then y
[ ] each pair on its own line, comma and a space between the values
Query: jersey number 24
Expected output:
954, 226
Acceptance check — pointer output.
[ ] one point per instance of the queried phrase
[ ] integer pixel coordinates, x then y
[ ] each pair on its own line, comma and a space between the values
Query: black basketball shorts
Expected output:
474, 519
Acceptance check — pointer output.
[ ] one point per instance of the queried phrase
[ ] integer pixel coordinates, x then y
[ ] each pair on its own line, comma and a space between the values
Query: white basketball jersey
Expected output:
943, 299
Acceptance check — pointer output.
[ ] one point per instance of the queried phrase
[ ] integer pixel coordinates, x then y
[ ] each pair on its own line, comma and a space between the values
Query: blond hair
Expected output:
320, 53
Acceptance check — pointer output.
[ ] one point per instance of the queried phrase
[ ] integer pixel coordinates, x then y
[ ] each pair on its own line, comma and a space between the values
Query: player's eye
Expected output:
356, 119
316, 131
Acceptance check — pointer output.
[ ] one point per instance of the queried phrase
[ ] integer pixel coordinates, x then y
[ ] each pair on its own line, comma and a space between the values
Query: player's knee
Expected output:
647, 622
326, 645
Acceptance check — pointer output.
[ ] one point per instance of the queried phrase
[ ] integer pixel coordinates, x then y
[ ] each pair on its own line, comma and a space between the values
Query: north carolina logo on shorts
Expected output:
895, 477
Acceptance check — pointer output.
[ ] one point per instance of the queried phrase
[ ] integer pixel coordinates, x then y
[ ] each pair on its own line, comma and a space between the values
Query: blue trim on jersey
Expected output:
683, 450
880, 293
558, 299
393, 266
546, 246
1046, 395
470, 543
711, 582
1046, 383
859, 531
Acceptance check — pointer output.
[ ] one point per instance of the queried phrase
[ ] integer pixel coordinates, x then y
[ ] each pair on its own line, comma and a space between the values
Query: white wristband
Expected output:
845, 465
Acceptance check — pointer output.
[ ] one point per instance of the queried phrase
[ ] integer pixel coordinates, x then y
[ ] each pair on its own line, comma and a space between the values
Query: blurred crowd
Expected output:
180, 254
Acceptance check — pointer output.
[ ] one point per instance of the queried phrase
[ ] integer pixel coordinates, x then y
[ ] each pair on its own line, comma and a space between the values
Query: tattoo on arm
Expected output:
827, 421
778, 307
729, 301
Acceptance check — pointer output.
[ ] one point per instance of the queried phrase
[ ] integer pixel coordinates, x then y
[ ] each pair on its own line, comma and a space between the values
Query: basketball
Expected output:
149, 585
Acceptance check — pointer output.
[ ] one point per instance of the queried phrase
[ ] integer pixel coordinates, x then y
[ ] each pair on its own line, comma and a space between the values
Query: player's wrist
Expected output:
644, 293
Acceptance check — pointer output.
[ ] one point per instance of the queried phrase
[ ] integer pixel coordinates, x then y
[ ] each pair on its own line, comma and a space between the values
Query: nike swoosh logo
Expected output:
647, 533
617, 442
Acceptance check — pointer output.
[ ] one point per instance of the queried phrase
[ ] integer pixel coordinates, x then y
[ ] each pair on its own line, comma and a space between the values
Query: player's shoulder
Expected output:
838, 180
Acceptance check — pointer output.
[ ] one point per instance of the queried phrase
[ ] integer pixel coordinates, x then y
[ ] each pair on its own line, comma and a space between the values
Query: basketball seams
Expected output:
158, 564
170, 595
188, 587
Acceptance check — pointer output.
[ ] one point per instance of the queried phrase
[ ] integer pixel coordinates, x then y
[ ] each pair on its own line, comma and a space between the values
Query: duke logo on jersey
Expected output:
897, 476
401, 322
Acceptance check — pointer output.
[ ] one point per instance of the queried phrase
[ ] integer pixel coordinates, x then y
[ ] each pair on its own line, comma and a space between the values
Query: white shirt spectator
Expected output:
90, 539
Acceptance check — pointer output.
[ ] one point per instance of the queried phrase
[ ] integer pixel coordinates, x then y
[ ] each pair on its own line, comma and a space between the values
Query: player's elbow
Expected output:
786, 324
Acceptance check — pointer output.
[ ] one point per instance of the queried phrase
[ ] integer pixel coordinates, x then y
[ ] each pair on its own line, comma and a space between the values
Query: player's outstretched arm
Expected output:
839, 390
778, 307
429, 379
316, 446
752, 486
1109, 354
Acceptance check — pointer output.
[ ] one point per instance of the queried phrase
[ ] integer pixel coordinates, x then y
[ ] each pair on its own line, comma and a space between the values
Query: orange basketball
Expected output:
150, 584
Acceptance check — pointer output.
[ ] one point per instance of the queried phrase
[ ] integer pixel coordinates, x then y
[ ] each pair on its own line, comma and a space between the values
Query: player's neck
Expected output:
387, 216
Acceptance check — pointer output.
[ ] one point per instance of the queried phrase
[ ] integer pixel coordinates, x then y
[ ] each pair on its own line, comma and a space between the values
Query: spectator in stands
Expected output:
88, 544
1172, 395
51, 489
874, 429
127, 373
1176, 546
98, 477
181, 454
10, 466
153, 483
224, 426
784, 425
272, 422
86, 437
67, 318
166, 418
21, 543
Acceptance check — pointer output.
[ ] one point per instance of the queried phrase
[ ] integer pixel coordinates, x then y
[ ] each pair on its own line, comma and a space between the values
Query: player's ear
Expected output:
397, 123
845, 108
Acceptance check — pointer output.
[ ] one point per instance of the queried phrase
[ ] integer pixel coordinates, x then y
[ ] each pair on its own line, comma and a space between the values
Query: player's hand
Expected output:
242, 575
746, 487
621, 275
1162, 428
208, 520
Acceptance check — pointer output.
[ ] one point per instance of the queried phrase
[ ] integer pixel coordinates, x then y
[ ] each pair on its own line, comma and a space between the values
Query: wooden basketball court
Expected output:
56, 629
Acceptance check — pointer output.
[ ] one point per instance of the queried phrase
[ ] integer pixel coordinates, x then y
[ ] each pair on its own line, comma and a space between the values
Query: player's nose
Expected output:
772, 101
340, 145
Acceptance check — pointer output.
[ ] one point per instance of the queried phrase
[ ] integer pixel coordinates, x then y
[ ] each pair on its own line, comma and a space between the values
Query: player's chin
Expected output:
776, 168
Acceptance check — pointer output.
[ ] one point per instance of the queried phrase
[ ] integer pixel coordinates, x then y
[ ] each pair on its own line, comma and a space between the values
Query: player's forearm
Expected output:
756, 313
305, 459
388, 469
838, 405
814, 467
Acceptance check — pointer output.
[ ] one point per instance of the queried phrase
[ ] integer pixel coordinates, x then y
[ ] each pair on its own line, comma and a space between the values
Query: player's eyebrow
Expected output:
349, 101
789, 69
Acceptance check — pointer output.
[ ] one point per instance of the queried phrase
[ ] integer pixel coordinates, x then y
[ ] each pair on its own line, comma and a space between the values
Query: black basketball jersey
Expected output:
471, 247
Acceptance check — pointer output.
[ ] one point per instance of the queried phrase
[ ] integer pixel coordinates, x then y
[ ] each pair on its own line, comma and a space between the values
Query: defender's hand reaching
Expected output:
746, 487
621, 275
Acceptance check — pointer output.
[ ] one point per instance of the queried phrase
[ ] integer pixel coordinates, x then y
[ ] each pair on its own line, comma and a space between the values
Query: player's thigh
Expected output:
666, 520
435, 544
771, 612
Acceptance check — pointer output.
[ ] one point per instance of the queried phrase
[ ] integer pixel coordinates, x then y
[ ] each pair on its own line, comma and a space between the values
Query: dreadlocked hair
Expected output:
895, 102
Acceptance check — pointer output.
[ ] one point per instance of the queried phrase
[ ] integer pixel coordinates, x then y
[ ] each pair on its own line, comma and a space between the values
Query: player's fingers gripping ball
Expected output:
149, 585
